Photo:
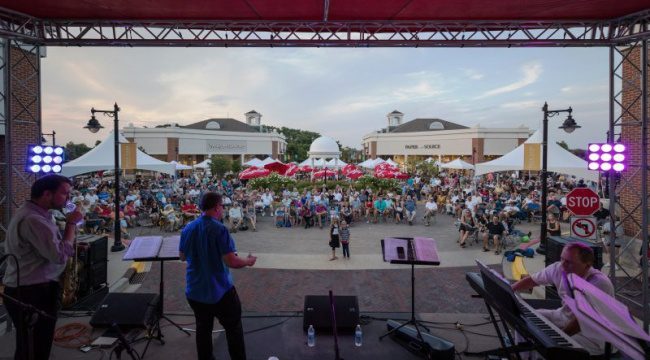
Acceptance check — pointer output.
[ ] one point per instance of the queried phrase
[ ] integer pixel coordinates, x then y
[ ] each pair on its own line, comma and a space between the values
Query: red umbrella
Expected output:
292, 169
354, 174
324, 172
347, 168
305, 168
251, 173
386, 166
402, 176
277, 167
385, 174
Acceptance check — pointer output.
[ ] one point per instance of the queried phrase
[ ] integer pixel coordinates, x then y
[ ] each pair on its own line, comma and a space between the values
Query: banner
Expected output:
532, 157
128, 155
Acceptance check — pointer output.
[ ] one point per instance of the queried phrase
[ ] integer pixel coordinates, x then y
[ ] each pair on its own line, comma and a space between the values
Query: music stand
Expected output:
156, 248
413, 251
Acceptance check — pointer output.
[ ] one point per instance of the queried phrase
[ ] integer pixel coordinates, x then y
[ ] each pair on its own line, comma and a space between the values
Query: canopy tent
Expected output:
254, 162
205, 164
371, 163
335, 163
268, 160
319, 163
559, 160
392, 163
180, 166
458, 164
102, 158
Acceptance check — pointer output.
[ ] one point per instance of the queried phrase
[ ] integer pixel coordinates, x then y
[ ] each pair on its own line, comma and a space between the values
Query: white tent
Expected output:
392, 163
371, 163
254, 162
180, 166
268, 160
205, 164
458, 164
317, 163
102, 158
559, 160
335, 163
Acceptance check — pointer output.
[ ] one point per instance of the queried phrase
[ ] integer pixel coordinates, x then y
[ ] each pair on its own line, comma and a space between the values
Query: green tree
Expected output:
219, 165
73, 151
236, 166
563, 144
298, 142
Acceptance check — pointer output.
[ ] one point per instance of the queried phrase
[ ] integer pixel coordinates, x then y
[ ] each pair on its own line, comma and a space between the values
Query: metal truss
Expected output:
21, 112
323, 33
629, 110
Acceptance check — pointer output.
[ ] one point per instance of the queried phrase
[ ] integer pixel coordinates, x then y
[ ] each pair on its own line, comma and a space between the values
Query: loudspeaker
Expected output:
127, 310
554, 247
432, 348
317, 312
95, 248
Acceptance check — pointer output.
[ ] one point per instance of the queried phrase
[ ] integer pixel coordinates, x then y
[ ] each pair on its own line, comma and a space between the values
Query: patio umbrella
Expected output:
305, 168
292, 169
277, 167
252, 173
385, 174
354, 174
386, 166
402, 176
347, 168
324, 172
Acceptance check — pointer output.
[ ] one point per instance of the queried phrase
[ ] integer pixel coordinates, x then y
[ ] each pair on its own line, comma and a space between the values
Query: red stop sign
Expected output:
582, 201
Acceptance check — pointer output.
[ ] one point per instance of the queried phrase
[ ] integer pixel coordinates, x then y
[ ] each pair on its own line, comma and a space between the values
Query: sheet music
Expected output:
418, 250
169, 248
390, 248
144, 247
425, 249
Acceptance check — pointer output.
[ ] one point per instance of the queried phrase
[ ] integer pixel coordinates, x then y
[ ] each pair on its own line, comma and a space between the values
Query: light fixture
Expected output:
606, 156
93, 125
40, 159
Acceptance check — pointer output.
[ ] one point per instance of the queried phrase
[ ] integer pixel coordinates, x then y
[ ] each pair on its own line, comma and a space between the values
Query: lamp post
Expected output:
568, 126
53, 135
93, 126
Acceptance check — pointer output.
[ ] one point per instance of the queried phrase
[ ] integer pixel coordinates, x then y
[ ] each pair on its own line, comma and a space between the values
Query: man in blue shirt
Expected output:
210, 252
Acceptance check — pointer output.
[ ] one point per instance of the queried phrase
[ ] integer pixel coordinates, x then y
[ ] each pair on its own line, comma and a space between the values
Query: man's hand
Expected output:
74, 217
251, 260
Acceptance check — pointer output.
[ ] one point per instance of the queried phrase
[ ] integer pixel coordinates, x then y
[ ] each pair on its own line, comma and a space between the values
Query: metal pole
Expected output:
9, 205
117, 244
644, 179
611, 183
542, 236
53, 138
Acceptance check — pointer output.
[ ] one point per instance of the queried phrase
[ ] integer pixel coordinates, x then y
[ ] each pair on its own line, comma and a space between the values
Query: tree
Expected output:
73, 151
563, 144
141, 148
298, 142
219, 165
236, 166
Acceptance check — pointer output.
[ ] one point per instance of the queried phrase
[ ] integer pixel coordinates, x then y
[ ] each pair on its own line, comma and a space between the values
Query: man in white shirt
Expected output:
267, 200
431, 209
511, 209
235, 217
92, 197
578, 259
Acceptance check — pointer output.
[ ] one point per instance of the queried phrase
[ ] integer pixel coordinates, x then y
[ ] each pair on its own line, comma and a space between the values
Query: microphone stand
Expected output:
29, 318
336, 338
123, 345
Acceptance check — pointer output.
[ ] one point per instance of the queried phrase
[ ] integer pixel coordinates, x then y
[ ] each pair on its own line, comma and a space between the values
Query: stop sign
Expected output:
582, 201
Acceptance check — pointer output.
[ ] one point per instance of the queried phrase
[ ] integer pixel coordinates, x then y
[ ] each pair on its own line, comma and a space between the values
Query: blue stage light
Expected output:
46, 168
56, 168
58, 159
37, 149
35, 168
44, 159
58, 150
37, 158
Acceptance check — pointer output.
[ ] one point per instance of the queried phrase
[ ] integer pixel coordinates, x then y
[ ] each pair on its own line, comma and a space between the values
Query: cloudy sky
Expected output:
343, 93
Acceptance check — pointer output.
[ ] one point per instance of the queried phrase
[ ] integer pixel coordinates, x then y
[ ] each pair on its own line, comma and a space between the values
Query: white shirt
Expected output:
235, 212
552, 275
92, 198
338, 196
431, 205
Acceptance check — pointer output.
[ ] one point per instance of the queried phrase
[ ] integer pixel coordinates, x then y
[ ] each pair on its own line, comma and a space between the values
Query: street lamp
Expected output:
568, 126
53, 135
93, 126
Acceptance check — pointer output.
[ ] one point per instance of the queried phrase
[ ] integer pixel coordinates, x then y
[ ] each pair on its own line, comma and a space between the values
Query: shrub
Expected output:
274, 182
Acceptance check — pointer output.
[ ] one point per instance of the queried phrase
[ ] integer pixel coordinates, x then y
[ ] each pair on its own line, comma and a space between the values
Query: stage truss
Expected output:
630, 31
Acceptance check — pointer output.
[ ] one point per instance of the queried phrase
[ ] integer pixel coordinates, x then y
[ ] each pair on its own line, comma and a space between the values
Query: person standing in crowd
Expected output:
334, 237
344, 235
210, 252
42, 253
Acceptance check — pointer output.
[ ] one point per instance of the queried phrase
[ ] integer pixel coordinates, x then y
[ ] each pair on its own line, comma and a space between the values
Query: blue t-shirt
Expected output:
204, 242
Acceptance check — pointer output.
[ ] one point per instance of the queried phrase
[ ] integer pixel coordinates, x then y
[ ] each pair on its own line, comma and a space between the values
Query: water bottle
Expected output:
311, 336
70, 207
358, 336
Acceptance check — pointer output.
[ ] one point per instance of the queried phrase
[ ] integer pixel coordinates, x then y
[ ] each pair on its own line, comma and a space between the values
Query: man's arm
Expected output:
524, 284
181, 255
572, 327
235, 262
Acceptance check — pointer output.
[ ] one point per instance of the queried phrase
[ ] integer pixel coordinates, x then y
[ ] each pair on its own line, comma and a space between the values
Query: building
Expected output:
193, 143
443, 140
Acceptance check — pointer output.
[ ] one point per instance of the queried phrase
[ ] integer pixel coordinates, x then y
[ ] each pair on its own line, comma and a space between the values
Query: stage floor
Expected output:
281, 335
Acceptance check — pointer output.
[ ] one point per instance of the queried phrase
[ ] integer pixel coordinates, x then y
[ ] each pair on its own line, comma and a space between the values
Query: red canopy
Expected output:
253, 172
347, 168
354, 174
385, 174
321, 173
386, 167
305, 168
402, 176
292, 169
277, 167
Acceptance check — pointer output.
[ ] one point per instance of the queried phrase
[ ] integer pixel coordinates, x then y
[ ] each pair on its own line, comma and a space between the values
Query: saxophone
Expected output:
70, 279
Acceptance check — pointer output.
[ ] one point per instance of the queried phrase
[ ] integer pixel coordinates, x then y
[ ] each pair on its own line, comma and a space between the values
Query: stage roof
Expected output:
327, 10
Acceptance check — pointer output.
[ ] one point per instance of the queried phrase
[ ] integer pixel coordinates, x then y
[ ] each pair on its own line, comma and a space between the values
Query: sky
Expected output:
337, 92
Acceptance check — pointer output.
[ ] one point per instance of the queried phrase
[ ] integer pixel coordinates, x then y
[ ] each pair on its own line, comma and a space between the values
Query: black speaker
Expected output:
554, 247
317, 312
95, 248
127, 310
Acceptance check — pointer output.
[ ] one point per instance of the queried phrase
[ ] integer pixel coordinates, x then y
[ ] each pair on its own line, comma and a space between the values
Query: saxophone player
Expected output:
42, 251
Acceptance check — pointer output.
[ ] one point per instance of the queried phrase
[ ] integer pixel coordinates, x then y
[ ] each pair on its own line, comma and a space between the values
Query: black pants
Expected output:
346, 250
228, 312
45, 297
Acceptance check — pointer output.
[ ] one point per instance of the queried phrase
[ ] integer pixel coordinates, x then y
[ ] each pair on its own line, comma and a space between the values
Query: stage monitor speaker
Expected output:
127, 310
95, 248
554, 247
432, 348
317, 312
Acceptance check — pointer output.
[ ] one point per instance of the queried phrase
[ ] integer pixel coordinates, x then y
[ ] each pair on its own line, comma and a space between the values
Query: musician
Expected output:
210, 252
42, 252
578, 259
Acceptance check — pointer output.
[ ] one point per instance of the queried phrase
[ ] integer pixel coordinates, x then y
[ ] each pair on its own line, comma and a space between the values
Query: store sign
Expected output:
426, 146
225, 147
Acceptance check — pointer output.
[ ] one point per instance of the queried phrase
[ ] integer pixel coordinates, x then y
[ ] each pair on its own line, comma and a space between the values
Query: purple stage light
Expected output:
606, 157
606, 148
594, 147
593, 166
619, 167
619, 157
594, 157
605, 166
619, 148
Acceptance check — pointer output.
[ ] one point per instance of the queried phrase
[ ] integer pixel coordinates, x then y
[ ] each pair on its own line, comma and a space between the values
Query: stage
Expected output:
281, 335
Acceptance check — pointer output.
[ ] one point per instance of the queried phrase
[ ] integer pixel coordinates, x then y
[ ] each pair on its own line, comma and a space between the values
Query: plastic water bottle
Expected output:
70, 207
358, 336
311, 336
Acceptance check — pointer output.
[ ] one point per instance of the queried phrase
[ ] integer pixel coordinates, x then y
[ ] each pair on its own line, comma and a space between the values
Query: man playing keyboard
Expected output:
578, 259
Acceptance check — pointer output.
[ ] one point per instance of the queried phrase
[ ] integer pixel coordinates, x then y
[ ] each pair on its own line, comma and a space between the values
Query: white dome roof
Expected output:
324, 145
